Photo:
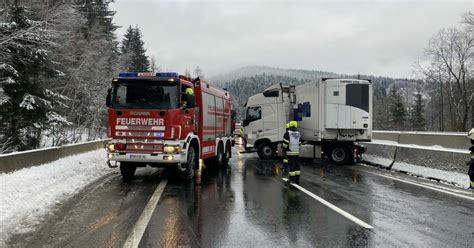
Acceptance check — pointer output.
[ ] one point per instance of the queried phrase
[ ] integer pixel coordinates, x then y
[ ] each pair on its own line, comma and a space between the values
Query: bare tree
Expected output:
154, 67
468, 20
198, 72
187, 73
451, 67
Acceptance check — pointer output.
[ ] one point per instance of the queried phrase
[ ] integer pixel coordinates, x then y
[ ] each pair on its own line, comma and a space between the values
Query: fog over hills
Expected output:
249, 80
249, 71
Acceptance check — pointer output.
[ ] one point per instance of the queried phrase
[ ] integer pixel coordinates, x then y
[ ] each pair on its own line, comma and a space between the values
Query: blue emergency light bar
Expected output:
128, 74
147, 74
167, 74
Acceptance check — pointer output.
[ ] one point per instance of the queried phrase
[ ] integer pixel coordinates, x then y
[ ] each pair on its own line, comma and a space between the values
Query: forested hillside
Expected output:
57, 59
246, 86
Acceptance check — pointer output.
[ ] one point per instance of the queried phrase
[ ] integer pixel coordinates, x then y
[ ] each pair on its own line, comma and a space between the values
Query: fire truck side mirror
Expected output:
108, 100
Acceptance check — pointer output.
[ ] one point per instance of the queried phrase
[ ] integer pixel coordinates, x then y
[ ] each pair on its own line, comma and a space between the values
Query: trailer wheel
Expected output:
265, 151
127, 170
190, 165
340, 155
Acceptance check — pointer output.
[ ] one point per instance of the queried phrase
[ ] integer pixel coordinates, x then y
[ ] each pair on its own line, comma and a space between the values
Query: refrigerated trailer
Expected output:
154, 122
332, 115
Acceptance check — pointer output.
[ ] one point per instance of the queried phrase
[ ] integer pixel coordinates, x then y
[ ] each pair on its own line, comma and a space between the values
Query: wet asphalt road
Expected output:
248, 205
100, 215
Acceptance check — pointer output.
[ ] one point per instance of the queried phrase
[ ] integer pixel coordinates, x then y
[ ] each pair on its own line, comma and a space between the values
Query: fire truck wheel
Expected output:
190, 165
227, 154
340, 155
265, 151
220, 155
127, 170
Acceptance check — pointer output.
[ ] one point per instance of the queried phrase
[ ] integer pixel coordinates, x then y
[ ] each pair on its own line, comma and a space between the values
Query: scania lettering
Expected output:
332, 115
152, 121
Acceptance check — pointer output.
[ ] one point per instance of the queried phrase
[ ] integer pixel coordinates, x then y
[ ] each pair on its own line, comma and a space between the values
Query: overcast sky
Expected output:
377, 38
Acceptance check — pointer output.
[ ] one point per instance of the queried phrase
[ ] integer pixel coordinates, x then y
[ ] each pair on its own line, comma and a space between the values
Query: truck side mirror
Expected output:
245, 123
108, 100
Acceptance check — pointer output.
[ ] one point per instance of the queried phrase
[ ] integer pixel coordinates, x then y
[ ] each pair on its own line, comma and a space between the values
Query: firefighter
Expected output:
291, 143
470, 135
285, 159
188, 98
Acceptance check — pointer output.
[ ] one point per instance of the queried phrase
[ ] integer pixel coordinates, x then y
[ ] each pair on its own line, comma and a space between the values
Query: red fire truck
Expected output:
166, 119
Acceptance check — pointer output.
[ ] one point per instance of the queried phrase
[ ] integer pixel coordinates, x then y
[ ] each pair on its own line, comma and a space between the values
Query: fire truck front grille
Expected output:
144, 128
138, 147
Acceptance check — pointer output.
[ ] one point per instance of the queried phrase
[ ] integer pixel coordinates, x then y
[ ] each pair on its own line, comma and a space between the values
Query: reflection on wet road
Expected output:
248, 205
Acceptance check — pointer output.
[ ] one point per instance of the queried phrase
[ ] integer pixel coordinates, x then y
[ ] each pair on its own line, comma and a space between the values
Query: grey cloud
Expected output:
346, 37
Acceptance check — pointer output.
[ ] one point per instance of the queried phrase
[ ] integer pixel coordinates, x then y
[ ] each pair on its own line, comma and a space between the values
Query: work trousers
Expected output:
285, 164
471, 172
294, 172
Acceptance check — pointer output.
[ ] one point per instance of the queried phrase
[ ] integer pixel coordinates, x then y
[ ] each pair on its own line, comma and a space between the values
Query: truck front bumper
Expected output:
164, 159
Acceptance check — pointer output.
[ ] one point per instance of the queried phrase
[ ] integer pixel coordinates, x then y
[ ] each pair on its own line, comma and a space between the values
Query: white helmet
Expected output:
470, 135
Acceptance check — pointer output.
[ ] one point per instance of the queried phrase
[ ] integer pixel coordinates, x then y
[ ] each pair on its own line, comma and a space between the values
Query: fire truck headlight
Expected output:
171, 149
168, 149
111, 147
168, 157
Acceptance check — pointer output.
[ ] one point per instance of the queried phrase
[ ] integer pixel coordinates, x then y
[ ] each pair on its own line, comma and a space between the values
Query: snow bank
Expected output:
457, 178
377, 160
29, 194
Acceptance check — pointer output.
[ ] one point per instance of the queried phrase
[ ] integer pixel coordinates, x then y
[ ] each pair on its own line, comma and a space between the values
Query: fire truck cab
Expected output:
166, 119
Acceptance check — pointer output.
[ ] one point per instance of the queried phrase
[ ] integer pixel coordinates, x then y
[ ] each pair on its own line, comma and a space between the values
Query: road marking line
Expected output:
333, 207
135, 236
422, 185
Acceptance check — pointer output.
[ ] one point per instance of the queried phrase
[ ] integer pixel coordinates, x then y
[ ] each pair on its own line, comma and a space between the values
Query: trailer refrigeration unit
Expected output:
155, 120
332, 115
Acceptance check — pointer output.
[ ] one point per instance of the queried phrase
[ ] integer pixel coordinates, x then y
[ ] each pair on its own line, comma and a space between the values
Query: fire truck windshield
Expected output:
145, 94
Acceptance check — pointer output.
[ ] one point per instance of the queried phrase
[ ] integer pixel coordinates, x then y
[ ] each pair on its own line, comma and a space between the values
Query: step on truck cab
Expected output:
332, 115
164, 120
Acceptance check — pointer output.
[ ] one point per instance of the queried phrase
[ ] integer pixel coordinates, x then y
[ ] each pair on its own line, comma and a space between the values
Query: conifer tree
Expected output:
26, 106
133, 52
398, 113
417, 119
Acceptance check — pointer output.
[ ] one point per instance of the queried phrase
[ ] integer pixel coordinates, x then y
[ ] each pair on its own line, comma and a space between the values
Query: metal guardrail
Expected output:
19, 160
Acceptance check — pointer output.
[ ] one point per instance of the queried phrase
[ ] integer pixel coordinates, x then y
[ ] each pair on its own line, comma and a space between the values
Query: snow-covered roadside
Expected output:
27, 195
461, 180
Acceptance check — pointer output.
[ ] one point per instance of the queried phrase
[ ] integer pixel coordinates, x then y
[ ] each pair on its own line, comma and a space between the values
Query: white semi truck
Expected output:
332, 115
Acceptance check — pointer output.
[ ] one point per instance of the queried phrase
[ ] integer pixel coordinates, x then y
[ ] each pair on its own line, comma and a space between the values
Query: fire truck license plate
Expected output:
137, 156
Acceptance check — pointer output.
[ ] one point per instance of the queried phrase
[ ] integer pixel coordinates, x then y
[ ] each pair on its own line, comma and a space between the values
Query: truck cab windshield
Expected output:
145, 94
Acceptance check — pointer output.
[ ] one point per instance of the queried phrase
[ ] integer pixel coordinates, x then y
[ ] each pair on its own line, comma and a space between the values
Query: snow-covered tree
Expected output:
417, 112
133, 52
26, 106
397, 111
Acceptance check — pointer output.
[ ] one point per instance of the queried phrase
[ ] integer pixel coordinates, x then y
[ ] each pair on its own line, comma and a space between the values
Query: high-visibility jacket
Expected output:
291, 142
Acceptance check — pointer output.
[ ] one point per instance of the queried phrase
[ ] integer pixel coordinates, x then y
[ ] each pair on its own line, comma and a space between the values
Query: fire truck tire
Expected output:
127, 170
265, 151
341, 155
227, 153
190, 165
220, 158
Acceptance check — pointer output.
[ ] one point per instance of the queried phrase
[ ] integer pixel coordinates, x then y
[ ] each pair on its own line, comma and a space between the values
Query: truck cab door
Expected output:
270, 122
253, 124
